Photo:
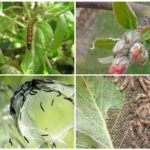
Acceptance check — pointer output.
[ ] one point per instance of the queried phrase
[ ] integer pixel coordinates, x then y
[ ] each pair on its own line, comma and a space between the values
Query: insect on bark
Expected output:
30, 33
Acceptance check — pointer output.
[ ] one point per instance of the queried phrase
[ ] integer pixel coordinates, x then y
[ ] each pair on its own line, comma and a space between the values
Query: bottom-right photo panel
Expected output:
113, 112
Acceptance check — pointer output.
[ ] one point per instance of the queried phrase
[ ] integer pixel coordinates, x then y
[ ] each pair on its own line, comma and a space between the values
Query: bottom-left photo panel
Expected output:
36, 112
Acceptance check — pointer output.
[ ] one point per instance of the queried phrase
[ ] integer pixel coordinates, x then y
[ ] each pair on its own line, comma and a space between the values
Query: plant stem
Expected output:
140, 9
27, 10
61, 12
48, 63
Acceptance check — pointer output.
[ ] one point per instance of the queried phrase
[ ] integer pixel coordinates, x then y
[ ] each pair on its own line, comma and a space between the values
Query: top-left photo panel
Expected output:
37, 37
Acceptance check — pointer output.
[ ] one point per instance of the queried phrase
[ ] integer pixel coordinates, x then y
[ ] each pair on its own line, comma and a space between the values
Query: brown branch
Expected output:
139, 9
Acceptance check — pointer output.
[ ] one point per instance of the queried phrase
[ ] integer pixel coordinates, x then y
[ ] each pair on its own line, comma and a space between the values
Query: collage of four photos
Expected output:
75, 75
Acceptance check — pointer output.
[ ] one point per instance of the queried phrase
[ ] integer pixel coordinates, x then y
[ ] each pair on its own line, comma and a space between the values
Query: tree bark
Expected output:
139, 9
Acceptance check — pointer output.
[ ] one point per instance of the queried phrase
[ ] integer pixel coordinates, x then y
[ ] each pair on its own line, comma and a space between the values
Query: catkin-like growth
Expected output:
30, 33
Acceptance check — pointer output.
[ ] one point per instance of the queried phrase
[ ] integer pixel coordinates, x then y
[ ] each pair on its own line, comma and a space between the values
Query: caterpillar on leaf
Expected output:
30, 33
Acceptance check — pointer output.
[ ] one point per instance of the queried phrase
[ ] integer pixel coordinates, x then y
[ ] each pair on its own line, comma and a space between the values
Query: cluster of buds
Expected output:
128, 50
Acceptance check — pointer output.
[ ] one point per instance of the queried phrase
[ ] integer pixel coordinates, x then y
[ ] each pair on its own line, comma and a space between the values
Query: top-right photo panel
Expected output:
113, 37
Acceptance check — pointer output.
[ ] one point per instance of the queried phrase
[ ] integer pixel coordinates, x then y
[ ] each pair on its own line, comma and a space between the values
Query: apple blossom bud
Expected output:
127, 36
138, 53
131, 37
135, 52
120, 48
119, 65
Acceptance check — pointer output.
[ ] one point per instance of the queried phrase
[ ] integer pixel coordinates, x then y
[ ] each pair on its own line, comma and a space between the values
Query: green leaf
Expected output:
95, 96
1, 6
2, 58
145, 35
59, 34
8, 69
85, 141
69, 25
125, 16
26, 64
34, 60
7, 24
104, 43
45, 28
58, 7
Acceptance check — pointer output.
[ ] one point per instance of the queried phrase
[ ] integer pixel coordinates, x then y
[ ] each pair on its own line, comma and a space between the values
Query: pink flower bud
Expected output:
138, 53
117, 69
119, 65
135, 52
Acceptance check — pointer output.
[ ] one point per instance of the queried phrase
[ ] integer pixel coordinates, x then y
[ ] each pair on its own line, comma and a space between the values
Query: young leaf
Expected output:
104, 44
145, 35
7, 24
106, 60
1, 6
34, 60
69, 25
61, 7
26, 64
95, 96
125, 16
59, 34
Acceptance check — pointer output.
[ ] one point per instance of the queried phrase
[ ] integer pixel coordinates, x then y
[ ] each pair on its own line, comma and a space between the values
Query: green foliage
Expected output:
1, 6
59, 34
105, 44
125, 16
95, 96
145, 35
54, 29
70, 25
42, 36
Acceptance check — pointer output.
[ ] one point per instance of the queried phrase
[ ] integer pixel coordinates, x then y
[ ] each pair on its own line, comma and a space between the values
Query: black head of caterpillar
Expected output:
30, 33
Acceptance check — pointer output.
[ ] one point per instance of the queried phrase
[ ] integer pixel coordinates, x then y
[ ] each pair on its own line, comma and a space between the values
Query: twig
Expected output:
140, 9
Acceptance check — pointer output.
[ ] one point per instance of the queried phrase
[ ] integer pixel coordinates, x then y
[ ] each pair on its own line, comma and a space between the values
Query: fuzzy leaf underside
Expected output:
95, 96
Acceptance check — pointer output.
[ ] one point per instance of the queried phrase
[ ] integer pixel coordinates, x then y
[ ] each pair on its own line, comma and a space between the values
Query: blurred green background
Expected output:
9, 84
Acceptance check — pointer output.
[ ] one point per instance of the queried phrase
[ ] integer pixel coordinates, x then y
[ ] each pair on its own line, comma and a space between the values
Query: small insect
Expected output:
47, 90
32, 92
30, 33
53, 145
44, 135
10, 142
41, 106
69, 99
52, 102
140, 96
145, 122
26, 139
20, 101
59, 94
